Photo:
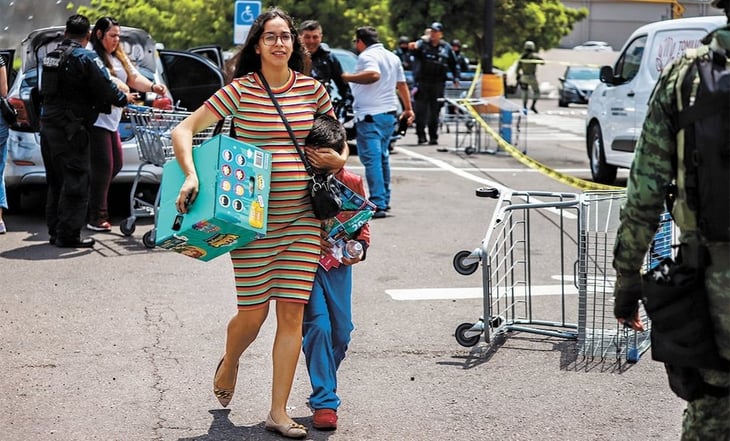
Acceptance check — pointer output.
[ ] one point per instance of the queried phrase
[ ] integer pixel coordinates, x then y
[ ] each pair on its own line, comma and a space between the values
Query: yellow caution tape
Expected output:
560, 63
532, 163
526, 160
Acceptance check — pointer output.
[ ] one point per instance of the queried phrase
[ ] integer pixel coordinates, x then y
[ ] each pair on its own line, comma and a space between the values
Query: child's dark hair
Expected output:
326, 131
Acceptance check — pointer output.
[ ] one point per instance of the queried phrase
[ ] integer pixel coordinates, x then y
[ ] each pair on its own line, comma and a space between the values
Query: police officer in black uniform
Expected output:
404, 53
433, 59
325, 66
75, 88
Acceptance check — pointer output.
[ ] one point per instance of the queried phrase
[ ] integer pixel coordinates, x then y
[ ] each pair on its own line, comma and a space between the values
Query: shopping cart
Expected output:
583, 230
152, 131
600, 335
513, 293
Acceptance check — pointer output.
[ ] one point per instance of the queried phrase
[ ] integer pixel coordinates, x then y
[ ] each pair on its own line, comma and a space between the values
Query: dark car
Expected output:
577, 84
190, 79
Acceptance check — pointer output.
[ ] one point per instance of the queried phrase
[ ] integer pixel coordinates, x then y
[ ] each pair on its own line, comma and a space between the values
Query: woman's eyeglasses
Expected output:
270, 38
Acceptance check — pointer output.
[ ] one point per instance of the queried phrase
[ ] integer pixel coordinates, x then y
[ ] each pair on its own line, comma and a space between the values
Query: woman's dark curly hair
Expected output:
247, 58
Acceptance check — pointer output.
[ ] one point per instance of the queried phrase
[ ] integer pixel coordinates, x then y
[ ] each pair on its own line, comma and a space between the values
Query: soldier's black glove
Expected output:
627, 293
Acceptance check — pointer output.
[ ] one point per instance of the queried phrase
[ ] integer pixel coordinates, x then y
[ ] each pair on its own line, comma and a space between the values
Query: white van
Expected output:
618, 105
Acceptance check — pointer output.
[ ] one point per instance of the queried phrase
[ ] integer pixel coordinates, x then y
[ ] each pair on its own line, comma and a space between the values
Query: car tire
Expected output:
601, 172
562, 103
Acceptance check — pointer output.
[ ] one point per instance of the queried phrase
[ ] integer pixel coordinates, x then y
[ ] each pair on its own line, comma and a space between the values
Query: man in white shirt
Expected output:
379, 73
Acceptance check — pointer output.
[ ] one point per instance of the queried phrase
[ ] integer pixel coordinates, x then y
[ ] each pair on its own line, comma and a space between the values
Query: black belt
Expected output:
369, 117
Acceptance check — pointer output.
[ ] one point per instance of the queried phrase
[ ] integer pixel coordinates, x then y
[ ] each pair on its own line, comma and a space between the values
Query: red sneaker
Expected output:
325, 419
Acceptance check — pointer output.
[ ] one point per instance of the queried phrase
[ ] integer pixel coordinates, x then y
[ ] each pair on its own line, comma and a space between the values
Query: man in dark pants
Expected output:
75, 88
433, 58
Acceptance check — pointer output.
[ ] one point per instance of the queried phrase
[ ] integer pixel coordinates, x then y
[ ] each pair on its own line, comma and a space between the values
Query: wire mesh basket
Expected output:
153, 128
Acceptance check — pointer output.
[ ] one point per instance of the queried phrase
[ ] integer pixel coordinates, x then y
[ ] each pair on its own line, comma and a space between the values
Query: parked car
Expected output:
618, 105
593, 46
190, 79
577, 84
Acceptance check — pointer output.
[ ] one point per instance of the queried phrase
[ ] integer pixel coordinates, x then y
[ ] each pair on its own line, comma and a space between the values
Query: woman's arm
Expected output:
182, 144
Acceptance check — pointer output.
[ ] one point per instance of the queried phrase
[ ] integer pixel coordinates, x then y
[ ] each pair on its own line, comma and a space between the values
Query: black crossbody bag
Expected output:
324, 193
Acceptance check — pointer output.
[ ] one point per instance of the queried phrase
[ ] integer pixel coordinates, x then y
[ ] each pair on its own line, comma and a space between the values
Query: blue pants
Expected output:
3, 158
373, 140
327, 328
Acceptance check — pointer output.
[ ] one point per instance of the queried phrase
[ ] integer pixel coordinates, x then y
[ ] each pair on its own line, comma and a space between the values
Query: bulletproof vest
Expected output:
54, 64
434, 62
706, 120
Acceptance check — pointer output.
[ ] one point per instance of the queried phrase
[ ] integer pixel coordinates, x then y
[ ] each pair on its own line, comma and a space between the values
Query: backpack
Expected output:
705, 160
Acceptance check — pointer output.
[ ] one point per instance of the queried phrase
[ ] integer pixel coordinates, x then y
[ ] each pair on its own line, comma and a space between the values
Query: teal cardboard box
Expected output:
232, 203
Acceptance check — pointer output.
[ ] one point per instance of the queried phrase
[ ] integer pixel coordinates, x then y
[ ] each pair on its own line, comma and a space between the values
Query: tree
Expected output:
178, 24
545, 22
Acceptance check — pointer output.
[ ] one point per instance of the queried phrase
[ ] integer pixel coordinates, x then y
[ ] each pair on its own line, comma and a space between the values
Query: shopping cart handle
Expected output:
138, 108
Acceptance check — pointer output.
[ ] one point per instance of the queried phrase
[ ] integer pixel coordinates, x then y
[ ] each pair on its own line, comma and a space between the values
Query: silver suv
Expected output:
191, 77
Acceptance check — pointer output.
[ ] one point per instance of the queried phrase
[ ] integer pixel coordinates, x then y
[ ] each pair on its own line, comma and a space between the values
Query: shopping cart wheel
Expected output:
495, 322
488, 192
462, 268
127, 226
469, 150
465, 337
148, 239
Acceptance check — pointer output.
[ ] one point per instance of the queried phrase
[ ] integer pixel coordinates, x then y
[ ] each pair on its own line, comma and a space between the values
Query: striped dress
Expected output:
282, 264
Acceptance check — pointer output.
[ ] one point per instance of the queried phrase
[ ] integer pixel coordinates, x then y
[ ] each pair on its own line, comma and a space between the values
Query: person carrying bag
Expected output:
325, 194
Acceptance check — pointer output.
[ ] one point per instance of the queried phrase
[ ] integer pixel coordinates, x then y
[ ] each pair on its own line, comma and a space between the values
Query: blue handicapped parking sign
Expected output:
245, 13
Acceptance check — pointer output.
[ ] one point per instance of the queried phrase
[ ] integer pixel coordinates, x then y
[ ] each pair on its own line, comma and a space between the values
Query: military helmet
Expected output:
529, 45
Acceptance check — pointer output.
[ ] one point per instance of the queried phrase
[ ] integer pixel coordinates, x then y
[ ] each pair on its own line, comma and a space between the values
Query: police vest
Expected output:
54, 64
434, 61
703, 144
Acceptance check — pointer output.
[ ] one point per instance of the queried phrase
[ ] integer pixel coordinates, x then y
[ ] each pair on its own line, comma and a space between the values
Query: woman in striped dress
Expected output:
280, 266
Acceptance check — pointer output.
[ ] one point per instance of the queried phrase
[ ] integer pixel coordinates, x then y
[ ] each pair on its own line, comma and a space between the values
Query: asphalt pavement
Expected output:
121, 342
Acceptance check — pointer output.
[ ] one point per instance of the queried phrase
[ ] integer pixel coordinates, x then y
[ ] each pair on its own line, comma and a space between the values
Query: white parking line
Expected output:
473, 293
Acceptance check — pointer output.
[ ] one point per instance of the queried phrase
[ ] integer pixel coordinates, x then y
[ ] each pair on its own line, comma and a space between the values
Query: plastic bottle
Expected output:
353, 249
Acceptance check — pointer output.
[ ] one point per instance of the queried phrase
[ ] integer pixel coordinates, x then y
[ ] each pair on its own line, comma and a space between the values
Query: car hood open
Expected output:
137, 43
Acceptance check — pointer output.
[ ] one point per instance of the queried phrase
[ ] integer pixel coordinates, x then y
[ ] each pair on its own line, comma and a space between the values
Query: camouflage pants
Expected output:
708, 418
529, 82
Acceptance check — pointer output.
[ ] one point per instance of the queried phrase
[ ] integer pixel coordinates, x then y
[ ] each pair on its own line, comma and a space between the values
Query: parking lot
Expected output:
120, 342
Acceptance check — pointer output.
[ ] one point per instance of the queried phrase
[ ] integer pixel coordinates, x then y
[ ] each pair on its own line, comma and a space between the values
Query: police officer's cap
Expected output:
403, 39
437, 26
456, 42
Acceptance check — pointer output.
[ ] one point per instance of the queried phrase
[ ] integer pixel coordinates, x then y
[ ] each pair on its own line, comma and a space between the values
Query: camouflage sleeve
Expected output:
651, 171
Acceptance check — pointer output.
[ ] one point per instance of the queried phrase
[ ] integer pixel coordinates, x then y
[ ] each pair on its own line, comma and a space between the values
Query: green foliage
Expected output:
181, 24
545, 22
178, 24
340, 18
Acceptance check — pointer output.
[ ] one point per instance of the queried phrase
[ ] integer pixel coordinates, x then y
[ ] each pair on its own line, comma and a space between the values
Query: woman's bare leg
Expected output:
242, 331
287, 346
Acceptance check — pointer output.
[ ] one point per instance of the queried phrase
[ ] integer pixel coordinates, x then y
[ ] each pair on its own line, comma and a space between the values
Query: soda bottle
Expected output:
352, 249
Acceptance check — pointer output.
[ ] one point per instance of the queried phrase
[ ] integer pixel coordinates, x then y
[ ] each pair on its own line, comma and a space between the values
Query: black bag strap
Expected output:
307, 165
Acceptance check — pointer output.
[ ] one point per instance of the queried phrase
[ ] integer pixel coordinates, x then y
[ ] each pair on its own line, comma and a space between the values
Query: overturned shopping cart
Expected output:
568, 296
152, 131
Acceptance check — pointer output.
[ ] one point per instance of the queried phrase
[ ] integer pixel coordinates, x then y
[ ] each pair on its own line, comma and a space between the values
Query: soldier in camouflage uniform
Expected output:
653, 169
527, 74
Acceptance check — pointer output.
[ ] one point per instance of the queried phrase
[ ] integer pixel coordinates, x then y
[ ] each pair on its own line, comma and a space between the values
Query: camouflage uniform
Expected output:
526, 71
706, 418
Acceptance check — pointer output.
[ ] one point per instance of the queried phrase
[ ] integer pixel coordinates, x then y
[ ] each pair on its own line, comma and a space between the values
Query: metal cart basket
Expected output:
152, 129
514, 295
519, 285
600, 335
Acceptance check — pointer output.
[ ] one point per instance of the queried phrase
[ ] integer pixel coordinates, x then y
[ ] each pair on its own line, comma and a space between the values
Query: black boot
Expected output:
533, 106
